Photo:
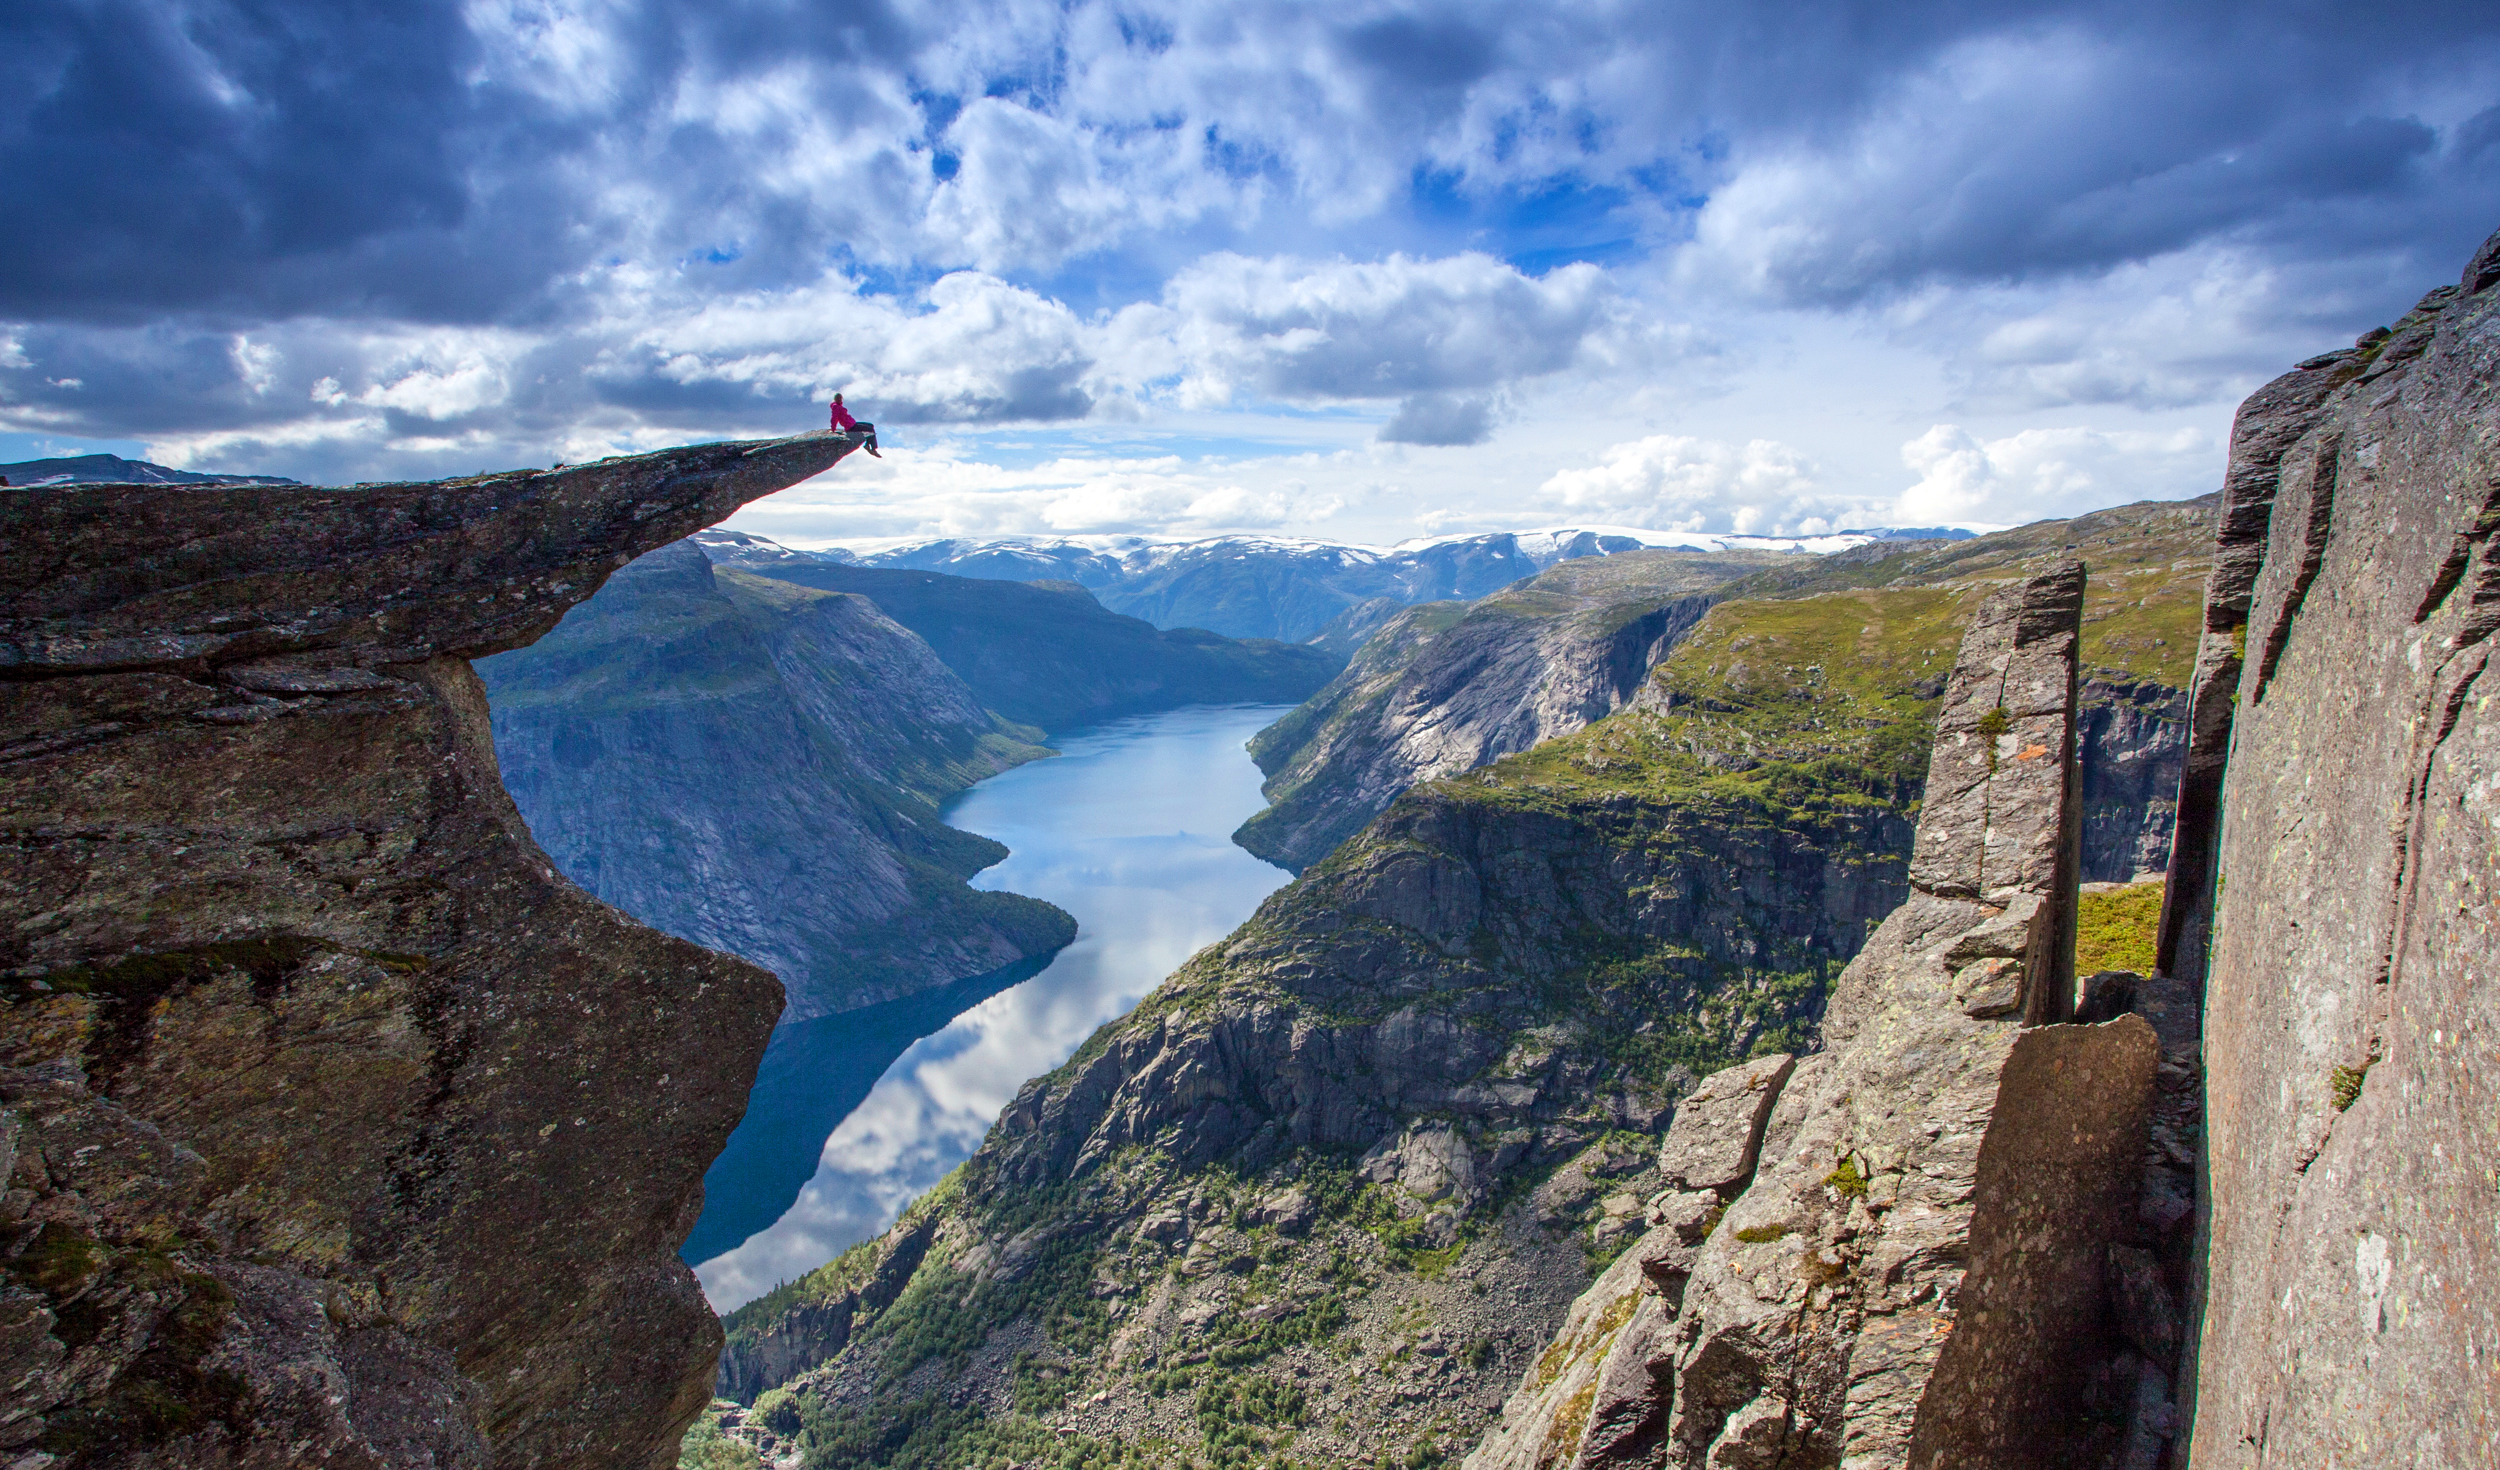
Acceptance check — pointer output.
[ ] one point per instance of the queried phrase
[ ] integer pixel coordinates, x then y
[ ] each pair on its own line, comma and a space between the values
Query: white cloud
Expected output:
2049, 472
1305, 331
1670, 482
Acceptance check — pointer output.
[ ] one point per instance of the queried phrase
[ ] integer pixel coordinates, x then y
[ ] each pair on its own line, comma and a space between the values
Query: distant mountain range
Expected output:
112, 469
1279, 587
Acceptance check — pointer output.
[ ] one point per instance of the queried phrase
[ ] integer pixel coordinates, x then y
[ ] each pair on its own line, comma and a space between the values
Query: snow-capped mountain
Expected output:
1283, 587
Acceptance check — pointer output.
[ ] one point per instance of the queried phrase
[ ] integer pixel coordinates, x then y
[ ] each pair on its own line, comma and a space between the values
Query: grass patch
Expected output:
2117, 931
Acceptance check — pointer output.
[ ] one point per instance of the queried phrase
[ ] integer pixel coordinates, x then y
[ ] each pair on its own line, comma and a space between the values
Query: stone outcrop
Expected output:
756, 766
2332, 889
1917, 1274
337, 1128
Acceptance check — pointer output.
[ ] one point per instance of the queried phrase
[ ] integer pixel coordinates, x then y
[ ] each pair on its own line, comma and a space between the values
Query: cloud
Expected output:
2048, 472
1304, 331
2069, 148
520, 229
1439, 419
1670, 482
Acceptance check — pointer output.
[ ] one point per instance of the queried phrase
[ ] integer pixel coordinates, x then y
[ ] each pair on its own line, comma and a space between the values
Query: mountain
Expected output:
756, 766
1330, 1190
1444, 687
738, 549
1048, 654
1289, 589
112, 469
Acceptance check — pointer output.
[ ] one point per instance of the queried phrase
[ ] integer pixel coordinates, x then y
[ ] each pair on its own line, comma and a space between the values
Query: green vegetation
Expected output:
1763, 1234
1846, 1181
705, 1447
2117, 931
2344, 1084
929, 1433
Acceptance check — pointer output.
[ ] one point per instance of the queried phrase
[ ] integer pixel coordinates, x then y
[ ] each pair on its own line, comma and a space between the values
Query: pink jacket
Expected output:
842, 418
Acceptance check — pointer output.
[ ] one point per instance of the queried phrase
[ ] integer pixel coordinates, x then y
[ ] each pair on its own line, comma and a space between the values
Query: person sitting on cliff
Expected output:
843, 422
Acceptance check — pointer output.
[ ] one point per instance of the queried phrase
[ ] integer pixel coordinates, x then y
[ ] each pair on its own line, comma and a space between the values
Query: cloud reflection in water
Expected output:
1129, 831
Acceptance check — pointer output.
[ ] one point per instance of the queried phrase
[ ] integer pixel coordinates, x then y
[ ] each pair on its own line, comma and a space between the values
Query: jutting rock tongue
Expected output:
337, 1127
1914, 1275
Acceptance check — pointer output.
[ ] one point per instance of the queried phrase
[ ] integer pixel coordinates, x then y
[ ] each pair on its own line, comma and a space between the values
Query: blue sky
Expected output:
1360, 271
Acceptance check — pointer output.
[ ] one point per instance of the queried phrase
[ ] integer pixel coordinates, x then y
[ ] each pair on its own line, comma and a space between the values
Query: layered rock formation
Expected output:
337, 1127
2333, 891
755, 766
1917, 1275
1444, 688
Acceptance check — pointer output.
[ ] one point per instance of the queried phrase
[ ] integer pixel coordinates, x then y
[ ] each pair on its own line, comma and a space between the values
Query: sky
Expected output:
1358, 271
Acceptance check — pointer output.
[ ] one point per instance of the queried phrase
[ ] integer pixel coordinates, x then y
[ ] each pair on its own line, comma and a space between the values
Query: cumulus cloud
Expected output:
2048, 472
1671, 482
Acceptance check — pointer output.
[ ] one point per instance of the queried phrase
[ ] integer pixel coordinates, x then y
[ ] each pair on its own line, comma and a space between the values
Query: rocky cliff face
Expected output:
336, 1126
1048, 654
1331, 1189
1918, 1276
754, 766
1444, 688
2332, 890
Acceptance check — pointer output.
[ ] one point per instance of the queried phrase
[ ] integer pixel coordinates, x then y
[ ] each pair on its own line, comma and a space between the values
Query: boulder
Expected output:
1718, 1125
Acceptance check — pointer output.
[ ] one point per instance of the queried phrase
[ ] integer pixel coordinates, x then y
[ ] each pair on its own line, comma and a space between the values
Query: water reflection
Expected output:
1127, 830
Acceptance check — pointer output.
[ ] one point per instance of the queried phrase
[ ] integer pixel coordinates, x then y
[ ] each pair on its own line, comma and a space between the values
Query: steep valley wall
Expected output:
1446, 687
755, 766
337, 1127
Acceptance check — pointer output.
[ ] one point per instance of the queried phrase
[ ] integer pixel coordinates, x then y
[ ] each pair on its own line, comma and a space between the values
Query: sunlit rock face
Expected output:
339, 1128
2338, 869
1913, 1276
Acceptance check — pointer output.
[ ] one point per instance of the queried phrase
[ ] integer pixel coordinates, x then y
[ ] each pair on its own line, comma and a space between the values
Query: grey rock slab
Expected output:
1717, 1131
2351, 1001
338, 1014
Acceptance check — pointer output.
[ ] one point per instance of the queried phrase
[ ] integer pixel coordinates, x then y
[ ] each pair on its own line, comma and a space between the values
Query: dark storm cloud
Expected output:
259, 156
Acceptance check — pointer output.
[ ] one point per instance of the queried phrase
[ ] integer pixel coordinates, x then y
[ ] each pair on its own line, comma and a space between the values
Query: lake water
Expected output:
1129, 829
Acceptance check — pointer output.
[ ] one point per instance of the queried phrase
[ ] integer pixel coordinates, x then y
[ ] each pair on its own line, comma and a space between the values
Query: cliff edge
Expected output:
2332, 887
336, 1126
